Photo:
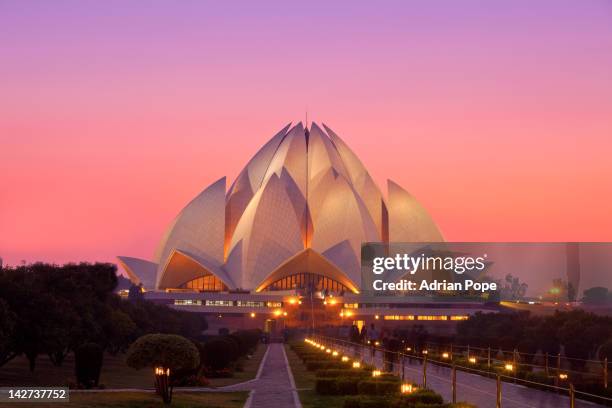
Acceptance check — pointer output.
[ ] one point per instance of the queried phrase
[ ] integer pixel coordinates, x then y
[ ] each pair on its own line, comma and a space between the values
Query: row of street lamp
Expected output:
405, 388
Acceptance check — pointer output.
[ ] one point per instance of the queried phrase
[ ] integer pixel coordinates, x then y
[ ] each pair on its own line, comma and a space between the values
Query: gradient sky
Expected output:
497, 115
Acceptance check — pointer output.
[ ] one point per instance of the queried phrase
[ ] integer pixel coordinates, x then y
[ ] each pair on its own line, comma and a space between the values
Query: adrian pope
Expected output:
435, 285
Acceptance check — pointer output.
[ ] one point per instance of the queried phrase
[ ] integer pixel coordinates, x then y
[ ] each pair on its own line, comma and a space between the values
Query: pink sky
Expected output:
497, 117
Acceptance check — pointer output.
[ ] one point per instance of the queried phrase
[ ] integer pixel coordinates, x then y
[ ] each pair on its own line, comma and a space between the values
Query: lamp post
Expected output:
162, 384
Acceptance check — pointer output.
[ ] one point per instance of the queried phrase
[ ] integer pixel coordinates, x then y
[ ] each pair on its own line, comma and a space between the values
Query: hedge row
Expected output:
334, 377
420, 398
354, 386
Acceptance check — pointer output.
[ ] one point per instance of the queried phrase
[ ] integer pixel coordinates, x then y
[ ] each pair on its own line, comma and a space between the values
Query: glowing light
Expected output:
252, 314
472, 360
341, 314
278, 312
356, 364
284, 313
332, 301
162, 371
377, 317
444, 355
425, 352
509, 367
345, 359
407, 388
377, 343
292, 301
376, 373
335, 353
408, 349
563, 376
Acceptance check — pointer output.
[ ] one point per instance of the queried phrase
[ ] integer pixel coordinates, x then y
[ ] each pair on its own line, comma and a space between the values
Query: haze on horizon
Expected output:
495, 116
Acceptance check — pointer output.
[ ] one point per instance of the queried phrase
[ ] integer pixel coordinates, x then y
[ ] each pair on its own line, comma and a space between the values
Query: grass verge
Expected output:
305, 383
149, 400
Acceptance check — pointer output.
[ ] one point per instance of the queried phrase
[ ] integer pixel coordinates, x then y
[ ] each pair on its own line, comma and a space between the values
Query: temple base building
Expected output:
283, 243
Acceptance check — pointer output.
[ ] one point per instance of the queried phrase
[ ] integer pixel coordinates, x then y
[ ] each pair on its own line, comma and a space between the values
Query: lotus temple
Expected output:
283, 242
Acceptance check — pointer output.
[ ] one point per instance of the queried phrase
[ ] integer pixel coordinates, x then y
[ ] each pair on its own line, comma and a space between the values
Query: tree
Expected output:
7, 331
53, 310
605, 351
162, 350
514, 289
596, 295
166, 353
88, 364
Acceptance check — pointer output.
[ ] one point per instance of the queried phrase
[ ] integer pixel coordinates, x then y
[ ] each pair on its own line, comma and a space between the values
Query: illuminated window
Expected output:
187, 302
307, 280
249, 303
208, 283
397, 317
459, 317
432, 317
274, 304
219, 303
351, 305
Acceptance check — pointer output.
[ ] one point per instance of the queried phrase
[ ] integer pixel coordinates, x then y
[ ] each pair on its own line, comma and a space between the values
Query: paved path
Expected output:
273, 387
477, 389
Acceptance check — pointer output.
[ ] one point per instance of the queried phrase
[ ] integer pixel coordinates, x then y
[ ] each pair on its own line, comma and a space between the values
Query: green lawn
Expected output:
115, 373
149, 400
305, 383
250, 367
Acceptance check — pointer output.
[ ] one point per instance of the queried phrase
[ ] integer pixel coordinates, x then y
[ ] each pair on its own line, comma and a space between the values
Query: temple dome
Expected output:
296, 215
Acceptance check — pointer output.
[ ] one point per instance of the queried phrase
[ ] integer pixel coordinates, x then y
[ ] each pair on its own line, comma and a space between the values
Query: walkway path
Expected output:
477, 389
274, 386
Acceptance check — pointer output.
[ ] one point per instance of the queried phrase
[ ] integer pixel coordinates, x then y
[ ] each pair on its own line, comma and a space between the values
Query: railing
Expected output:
500, 370
521, 359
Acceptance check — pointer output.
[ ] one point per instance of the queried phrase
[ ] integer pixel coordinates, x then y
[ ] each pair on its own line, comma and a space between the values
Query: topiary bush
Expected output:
363, 401
219, 353
326, 386
422, 396
342, 372
163, 350
169, 352
347, 385
87, 364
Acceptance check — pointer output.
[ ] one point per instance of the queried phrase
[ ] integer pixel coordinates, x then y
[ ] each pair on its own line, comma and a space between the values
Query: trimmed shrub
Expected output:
219, 353
367, 387
423, 397
347, 386
164, 350
379, 387
326, 386
362, 401
341, 372
387, 387
314, 365
87, 364
188, 380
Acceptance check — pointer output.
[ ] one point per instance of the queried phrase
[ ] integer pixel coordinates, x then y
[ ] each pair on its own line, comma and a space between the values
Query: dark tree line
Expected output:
52, 310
